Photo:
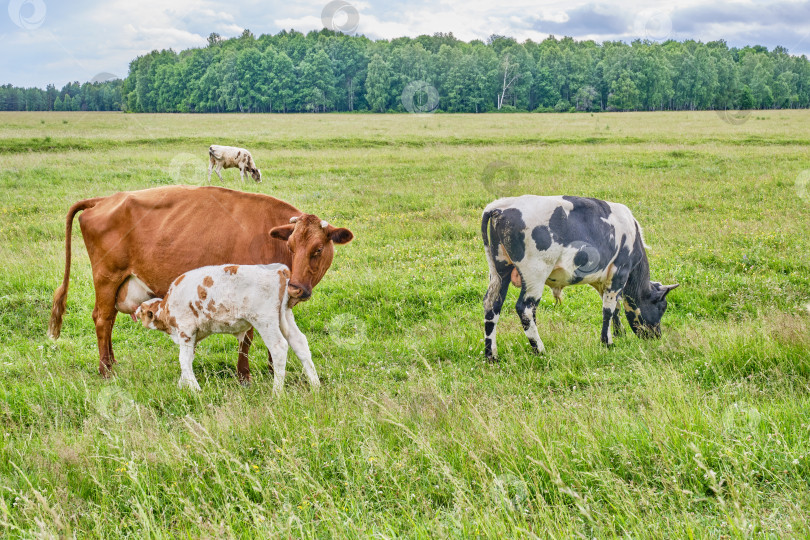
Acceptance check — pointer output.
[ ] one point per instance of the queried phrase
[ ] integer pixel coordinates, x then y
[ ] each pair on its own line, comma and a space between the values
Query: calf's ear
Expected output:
339, 235
282, 232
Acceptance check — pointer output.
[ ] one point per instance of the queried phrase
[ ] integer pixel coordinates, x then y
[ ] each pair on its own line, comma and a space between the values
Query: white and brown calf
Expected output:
534, 241
228, 157
230, 299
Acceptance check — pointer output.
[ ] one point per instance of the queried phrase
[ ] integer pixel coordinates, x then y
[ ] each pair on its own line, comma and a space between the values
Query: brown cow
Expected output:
139, 241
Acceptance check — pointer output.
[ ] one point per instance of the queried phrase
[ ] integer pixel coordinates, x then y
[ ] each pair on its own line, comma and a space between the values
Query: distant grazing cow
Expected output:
228, 157
139, 241
561, 241
230, 299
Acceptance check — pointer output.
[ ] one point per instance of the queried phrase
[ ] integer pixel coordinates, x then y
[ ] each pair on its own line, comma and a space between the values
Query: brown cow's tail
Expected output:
60, 296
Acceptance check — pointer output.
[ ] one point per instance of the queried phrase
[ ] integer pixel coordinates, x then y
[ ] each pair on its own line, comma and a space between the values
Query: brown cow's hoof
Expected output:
105, 371
244, 381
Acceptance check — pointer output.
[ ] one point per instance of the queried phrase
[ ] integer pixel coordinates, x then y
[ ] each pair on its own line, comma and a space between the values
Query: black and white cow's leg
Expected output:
618, 329
493, 302
526, 308
610, 312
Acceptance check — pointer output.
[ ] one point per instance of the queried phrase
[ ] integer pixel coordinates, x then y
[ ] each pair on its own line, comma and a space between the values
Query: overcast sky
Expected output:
58, 41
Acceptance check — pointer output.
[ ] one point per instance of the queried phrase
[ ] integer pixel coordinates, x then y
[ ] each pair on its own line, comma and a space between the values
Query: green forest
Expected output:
327, 71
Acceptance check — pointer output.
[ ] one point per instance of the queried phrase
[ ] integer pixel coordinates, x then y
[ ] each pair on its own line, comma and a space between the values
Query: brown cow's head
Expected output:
311, 241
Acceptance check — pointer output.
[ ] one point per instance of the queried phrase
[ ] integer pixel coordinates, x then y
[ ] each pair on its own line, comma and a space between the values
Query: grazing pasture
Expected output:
705, 432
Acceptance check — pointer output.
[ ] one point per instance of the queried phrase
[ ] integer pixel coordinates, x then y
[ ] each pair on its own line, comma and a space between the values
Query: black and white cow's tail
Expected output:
485, 218
488, 214
484, 226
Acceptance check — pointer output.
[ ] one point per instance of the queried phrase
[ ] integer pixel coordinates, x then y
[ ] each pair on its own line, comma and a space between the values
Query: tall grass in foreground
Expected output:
704, 433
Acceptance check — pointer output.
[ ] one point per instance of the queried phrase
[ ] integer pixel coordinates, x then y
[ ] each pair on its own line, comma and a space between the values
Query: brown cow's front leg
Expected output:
243, 363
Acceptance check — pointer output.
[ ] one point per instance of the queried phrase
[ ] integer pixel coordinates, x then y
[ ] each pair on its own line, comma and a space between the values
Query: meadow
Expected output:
703, 433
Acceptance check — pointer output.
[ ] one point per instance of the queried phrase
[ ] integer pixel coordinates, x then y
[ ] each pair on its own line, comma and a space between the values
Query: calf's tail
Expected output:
60, 296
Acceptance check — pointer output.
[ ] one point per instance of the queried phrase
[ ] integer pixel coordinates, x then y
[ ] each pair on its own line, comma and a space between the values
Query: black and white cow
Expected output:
561, 241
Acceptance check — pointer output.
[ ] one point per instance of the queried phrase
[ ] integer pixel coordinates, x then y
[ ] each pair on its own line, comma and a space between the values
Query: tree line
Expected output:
96, 96
327, 71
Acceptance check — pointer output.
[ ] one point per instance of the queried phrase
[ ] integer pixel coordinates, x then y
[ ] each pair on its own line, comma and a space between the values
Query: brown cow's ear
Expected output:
282, 232
339, 236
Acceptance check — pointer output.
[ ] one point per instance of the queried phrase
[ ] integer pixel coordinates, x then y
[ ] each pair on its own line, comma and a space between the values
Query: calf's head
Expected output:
644, 314
311, 241
150, 314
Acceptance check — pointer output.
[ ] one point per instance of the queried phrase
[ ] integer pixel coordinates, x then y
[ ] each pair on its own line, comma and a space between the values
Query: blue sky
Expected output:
60, 41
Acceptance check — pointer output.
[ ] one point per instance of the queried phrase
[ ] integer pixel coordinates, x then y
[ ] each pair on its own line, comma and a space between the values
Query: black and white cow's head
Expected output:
644, 313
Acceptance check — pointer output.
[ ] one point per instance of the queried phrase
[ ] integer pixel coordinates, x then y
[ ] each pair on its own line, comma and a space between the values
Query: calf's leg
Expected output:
300, 346
187, 378
277, 345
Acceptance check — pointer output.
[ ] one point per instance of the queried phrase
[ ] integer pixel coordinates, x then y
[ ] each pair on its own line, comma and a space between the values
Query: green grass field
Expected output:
704, 433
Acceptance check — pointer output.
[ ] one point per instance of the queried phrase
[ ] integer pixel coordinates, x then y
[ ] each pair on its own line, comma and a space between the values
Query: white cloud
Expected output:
302, 24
